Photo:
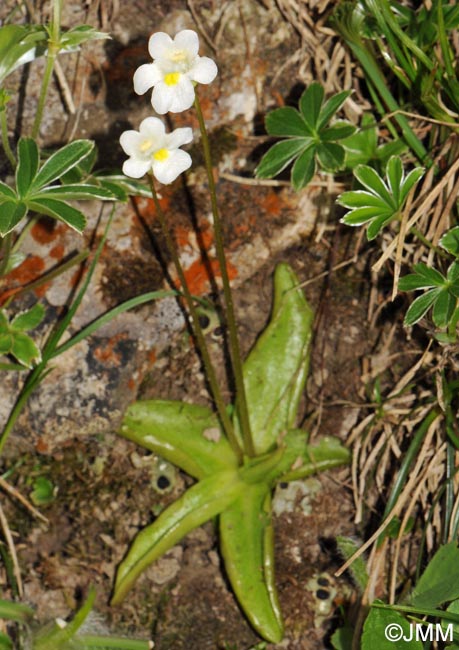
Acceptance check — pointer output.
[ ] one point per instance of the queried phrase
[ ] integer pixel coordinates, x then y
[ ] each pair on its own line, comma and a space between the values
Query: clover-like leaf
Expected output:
382, 200
310, 138
20, 44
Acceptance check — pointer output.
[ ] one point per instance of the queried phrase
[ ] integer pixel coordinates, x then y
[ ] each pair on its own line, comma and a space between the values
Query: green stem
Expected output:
6, 144
241, 404
53, 49
5, 246
197, 330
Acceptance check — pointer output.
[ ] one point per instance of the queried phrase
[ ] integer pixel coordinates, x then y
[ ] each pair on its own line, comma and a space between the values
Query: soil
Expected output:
106, 489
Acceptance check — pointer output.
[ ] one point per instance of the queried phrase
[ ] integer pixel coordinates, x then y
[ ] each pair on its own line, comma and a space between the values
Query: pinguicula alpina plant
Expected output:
236, 453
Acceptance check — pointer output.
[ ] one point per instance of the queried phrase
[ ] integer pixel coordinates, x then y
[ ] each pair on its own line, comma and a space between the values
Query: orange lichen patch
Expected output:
206, 237
182, 236
107, 353
46, 231
131, 384
30, 269
152, 356
57, 252
271, 203
146, 207
199, 275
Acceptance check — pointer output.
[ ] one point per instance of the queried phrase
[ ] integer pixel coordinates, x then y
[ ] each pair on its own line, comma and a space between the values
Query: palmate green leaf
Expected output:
25, 350
304, 169
60, 162
11, 213
450, 241
198, 504
186, 435
246, 539
6, 342
443, 308
310, 105
420, 307
80, 191
394, 172
330, 155
287, 121
276, 368
280, 155
6, 192
29, 319
59, 210
440, 581
452, 274
28, 161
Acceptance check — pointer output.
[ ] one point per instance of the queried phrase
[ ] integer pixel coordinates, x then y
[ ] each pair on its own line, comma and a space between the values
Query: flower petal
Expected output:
168, 170
204, 70
179, 137
175, 98
187, 40
146, 77
130, 141
136, 168
159, 45
153, 128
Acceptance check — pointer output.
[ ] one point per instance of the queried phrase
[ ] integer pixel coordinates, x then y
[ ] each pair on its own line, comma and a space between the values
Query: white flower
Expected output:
176, 67
152, 149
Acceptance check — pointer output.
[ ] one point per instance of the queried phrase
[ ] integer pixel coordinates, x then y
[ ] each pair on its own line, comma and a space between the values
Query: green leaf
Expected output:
186, 435
341, 638
331, 107
197, 505
6, 342
6, 192
440, 581
382, 623
280, 155
362, 215
5, 642
43, 491
450, 241
59, 210
430, 274
330, 156
394, 172
73, 38
304, 169
80, 191
452, 275
374, 184
443, 308
360, 199
375, 227
420, 307
337, 131
310, 105
20, 44
247, 548
28, 319
286, 121
11, 213
276, 368
409, 182
60, 162
25, 350
28, 161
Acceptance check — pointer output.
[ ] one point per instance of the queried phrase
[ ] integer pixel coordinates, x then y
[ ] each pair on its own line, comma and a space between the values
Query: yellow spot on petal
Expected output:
178, 56
172, 78
161, 155
146, 144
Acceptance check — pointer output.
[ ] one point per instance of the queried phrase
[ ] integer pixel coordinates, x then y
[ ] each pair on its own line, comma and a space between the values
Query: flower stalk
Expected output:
197, 330
242, 409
